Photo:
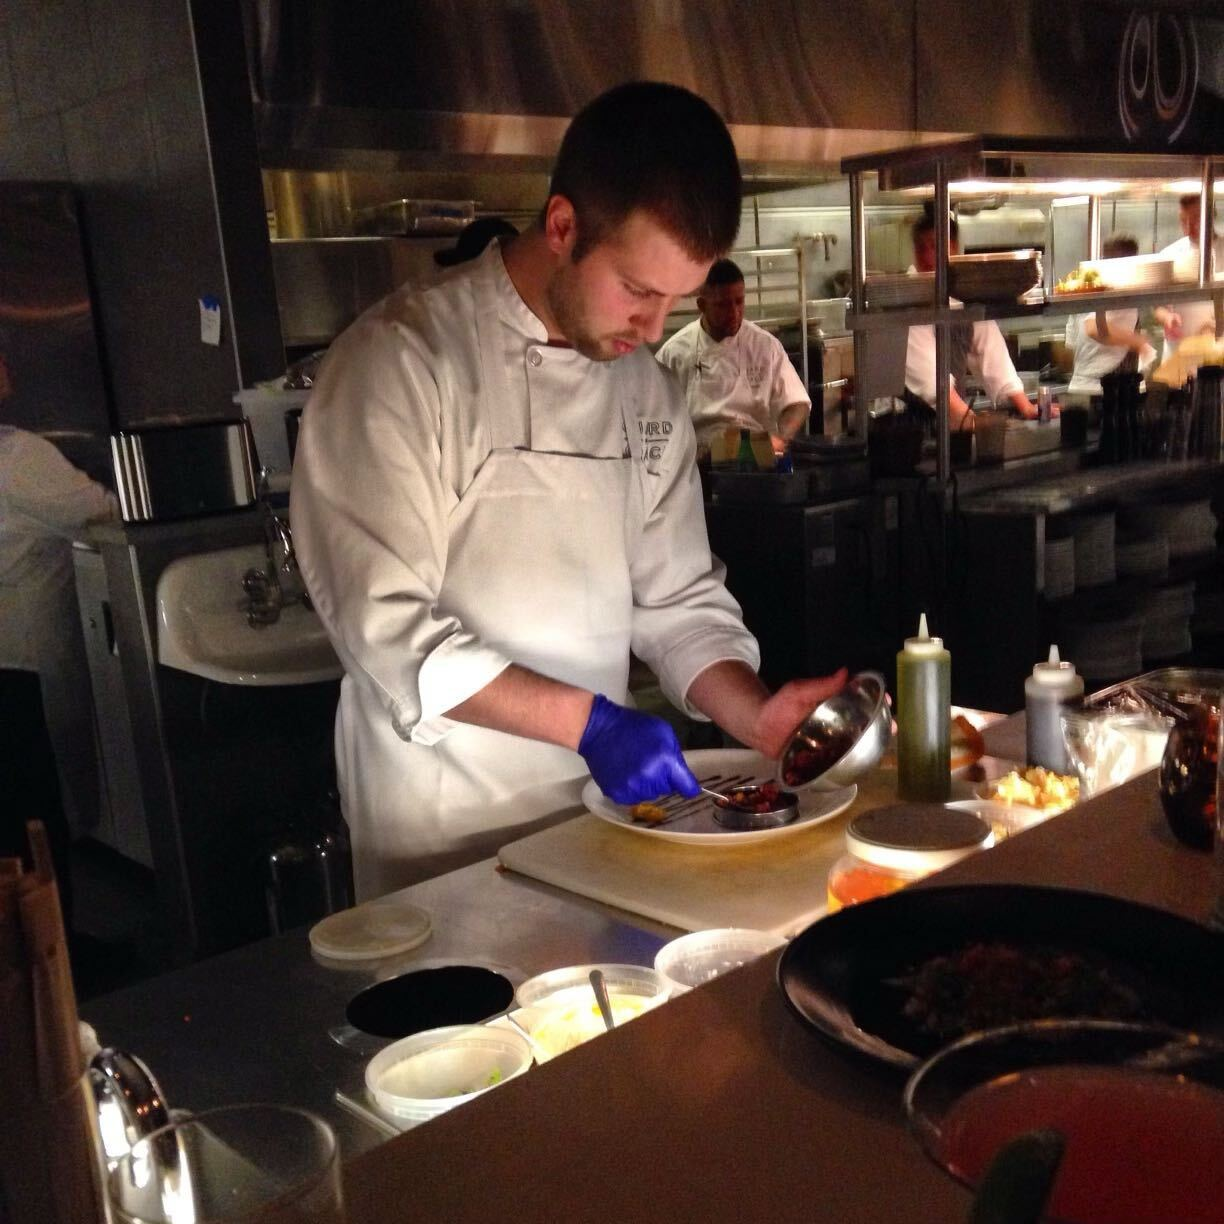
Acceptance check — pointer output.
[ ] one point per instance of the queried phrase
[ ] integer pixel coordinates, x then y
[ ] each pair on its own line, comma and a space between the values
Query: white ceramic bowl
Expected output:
704, 955
1004, 818
558, 1008
428, 1073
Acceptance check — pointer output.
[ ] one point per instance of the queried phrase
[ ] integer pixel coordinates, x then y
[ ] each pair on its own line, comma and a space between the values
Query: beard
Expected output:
570, 314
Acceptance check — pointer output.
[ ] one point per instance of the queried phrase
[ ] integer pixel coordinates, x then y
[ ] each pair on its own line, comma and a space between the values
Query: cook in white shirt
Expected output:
733, 372
494, 498
1189, 318
48, 768
1097, 353
986, 351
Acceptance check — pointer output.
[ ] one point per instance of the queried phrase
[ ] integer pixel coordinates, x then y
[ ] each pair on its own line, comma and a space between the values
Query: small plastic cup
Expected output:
702, 956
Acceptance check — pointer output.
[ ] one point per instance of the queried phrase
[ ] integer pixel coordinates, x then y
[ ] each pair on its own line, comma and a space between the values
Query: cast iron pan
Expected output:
840, 975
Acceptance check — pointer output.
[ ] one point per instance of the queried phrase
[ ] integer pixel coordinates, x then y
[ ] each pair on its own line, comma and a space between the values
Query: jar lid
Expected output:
916, 838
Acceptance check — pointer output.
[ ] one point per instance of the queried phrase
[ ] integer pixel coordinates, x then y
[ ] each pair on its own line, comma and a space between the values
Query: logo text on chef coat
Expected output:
755, 374
654, 438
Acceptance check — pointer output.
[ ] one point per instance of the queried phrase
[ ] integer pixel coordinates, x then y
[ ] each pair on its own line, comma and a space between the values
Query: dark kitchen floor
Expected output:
117, 937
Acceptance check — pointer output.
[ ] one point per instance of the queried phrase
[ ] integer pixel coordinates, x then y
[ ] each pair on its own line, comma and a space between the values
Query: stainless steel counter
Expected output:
253, 1024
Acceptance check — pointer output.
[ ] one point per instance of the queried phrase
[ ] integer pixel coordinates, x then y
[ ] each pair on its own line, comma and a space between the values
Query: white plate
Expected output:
701, 829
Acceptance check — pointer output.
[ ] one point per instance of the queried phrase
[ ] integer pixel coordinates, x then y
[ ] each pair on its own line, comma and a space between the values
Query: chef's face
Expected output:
1188, 215
924, 250
617, 295
722, 309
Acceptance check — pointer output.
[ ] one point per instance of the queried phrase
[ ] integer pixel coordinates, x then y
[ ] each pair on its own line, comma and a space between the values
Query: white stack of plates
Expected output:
1133, 271
886, 290
1166, 621
1190, 526
1142, 556
1107, 650
1095, 563
1059, 567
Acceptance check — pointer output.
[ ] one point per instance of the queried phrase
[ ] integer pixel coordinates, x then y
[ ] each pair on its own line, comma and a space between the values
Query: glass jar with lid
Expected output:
889, 847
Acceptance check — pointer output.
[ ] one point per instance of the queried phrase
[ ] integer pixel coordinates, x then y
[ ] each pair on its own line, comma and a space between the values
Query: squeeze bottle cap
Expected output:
923, 644
1055, 672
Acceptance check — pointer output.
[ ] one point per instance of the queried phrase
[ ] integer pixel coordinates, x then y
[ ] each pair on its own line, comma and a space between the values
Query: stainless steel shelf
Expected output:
913, 316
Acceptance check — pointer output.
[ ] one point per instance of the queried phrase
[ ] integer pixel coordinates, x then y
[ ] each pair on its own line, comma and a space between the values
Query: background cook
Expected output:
734, 374
1189, 318
494, 499
977, 348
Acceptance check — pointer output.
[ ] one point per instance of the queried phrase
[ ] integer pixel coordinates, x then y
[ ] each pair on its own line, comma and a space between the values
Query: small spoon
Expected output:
601, 997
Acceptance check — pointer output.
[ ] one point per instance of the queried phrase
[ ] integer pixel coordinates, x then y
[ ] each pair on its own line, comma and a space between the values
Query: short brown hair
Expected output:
655, 147
1118, 246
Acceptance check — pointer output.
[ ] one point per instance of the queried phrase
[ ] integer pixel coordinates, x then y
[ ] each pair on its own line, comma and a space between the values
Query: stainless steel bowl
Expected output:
841, 739
745, 819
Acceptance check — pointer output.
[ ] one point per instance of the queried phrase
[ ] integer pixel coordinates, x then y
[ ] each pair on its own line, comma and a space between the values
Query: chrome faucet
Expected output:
280, 582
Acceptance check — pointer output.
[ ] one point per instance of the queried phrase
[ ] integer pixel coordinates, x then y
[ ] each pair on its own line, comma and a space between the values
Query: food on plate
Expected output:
1038, 788
989, 984
967, 743
767, 797
815, 751
1082, 280
648, 813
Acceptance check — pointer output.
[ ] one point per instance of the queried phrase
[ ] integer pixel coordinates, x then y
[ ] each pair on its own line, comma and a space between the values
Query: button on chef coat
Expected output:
744, 381
412, 405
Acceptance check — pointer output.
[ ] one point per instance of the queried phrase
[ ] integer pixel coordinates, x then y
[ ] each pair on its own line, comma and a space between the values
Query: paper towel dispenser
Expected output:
179, 471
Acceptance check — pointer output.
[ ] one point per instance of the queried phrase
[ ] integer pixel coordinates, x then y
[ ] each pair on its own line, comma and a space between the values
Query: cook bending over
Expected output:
494, 500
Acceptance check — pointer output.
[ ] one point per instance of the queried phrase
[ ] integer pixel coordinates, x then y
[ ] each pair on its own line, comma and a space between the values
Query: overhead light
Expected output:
1186, 186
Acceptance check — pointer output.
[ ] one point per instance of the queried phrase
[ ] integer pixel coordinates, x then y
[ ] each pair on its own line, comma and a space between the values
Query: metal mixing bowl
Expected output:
841, 739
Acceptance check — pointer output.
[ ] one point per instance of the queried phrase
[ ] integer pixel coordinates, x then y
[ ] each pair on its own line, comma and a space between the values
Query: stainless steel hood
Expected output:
432, 84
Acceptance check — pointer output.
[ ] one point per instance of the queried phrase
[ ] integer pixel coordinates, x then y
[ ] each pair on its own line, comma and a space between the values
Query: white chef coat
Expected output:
988, 359
1194, 315
1092, 358
745, 380
464, 496
45, 502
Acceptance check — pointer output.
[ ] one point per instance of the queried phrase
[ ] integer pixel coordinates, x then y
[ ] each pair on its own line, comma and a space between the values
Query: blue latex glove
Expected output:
633, 756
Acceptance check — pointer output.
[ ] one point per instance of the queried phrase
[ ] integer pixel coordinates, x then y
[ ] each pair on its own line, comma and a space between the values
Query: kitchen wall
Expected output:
103, 93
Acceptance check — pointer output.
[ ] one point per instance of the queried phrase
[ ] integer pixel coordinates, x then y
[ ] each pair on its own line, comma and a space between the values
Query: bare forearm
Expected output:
791, 418
732, 694
523, 702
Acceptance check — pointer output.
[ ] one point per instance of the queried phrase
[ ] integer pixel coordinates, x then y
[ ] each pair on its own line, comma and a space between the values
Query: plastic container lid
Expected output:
372, 930
916, 838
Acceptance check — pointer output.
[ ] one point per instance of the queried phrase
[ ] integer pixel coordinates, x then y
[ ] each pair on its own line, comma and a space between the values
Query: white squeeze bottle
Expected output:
1054, 685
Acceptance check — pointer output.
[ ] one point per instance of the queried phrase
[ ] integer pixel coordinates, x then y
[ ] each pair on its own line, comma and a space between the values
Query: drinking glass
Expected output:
228, 1166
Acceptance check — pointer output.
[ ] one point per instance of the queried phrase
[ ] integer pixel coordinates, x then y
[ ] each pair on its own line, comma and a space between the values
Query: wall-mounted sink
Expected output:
202, 625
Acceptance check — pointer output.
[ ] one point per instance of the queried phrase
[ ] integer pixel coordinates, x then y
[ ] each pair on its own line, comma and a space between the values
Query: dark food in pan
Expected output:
990, 984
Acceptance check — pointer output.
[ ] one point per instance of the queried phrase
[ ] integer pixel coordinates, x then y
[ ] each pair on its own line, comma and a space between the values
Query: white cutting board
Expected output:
776, 886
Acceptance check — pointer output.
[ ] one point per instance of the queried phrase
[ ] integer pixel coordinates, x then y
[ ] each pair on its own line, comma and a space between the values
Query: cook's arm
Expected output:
369, 508
732, 695
920, 374
40, 483
788, 394
684, 618
1116, 331
989, 357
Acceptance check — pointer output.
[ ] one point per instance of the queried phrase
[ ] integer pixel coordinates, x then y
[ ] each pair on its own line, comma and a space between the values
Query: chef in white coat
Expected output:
1189, 318
734, 373
1096, 351
494, 499
47, 761
977, 348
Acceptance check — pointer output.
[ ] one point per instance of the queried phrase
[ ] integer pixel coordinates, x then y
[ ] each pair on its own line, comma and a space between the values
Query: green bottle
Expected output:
924, 718
745, 459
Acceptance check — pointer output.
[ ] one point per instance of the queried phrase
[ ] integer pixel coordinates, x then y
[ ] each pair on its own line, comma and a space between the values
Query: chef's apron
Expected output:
708, 385
538, 568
